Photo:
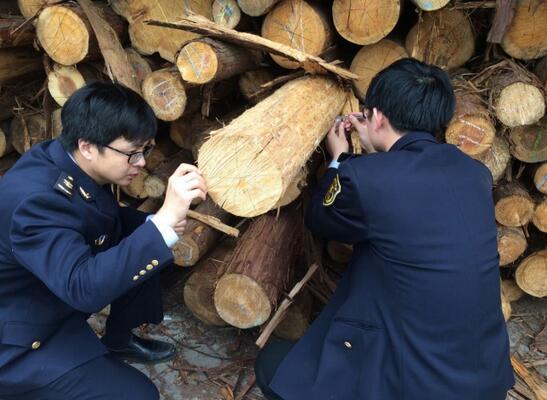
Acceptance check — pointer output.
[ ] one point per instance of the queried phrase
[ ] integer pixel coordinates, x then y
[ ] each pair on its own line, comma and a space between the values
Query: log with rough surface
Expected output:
531, 275
147, 39
62, 81
540, 216
365, 21
199, 238
472, 127
529, 142
496, 158
250, 83
208, 60
11, 33
258, 272
514, 205
165, 93
28, 130
511, 244
297, 318
249, 163
18, 62
526, 37
300, 25
444, 38
372, 59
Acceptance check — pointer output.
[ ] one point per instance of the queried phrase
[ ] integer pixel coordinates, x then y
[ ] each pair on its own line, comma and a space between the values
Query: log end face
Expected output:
226, 13
241, 302
197, 63
531, 275
186, 252
473, 135
520, 104
514, 211
165, 93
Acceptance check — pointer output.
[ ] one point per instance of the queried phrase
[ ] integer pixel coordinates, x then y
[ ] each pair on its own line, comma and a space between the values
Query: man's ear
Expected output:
86, 149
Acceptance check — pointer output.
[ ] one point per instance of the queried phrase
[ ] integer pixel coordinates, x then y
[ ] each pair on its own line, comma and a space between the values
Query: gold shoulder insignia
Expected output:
334, 190
85, 195
65, 185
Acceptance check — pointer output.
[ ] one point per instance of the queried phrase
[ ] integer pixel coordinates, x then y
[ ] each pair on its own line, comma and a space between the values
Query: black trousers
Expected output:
267, 362
103, 378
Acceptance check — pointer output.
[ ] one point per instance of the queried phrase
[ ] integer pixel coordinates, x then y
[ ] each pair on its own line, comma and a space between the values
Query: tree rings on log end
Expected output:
241, 191
514, 210
511, 244
186, 251
540, 216
529, 142
241, 302
511, 291
531, 275
63, 35
197, 62
226, 13
472, 134
63, 81
164, 91
496, 158
520, 104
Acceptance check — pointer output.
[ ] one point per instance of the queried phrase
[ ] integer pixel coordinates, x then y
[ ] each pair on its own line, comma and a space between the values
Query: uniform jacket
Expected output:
417, 314
62, 257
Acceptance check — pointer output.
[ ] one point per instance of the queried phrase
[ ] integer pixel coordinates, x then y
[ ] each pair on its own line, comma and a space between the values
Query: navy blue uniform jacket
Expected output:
62, 257
417, 315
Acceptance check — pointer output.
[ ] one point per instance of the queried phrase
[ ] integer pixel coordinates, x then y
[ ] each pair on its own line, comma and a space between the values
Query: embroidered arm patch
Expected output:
334, 190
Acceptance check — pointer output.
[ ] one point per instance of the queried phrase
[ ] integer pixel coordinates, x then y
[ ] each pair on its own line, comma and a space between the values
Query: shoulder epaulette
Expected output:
65, 184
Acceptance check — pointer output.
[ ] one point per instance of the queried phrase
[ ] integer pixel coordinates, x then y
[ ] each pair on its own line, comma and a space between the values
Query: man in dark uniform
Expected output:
67, 250
417, 314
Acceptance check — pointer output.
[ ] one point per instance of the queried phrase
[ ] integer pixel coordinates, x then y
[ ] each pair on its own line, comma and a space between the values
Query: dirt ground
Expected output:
216, 363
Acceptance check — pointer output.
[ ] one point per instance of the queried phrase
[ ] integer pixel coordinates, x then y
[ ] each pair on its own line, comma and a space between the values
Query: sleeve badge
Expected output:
334, 190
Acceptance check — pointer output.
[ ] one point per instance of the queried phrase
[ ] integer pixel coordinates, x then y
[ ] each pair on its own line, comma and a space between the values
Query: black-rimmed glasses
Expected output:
136, 156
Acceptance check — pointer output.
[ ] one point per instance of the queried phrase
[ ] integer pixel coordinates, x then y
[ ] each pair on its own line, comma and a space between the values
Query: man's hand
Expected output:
337, 143
361, 128
183, 186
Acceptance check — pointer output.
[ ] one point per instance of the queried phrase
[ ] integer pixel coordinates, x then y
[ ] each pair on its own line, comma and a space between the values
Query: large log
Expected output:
28, 130
526, 37
65, 34
17, 62
541, 71
249, 164
11, 33
517, 95
258, 272
208, 60
511, 244
372, 59
514, 205
529, 143
199, 238
539, 218
356, 22
299, 24
531, 275
62, 81
148, 39
199, 289
496, 158
444, 38
472, 127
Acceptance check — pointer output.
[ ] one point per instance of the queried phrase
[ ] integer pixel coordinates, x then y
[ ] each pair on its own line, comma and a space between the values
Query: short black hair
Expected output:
102, 112
414, 96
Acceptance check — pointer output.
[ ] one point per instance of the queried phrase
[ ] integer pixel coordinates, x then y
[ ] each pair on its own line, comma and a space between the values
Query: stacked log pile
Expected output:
250, 96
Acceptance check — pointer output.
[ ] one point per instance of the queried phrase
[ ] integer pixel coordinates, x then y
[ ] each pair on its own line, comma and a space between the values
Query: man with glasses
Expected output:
417, 313
67, 250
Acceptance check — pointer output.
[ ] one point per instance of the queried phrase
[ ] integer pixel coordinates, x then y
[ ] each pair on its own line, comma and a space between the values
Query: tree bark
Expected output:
297, 318
11, 35
249, 165
28, 130
199, 238
354, 20
511, 244
472, 127
298, 24
65, 34
255, 278
526, 37
514, 205
226, 13
529, 143
208, 60
444, 38
17, 62
250, 83
199, 289
372, 59
531, 275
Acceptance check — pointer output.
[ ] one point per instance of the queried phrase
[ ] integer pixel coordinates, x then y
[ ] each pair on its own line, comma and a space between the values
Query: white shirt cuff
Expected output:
334, 164
169, 235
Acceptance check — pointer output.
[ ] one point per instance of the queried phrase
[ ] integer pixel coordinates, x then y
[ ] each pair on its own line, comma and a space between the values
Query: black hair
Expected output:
414, 96
102, 112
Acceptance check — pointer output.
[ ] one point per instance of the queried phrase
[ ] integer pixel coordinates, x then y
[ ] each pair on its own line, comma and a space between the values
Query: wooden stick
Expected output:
201, 25
531, 378
285, 304
213, 223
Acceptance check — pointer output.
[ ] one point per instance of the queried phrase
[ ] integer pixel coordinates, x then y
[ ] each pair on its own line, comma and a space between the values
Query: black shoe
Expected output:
145, 351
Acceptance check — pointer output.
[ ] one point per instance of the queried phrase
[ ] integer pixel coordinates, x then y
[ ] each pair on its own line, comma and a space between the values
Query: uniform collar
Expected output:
411, 137
84, 184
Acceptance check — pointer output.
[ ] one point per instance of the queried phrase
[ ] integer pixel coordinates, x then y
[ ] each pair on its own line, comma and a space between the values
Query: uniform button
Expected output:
155, 263
36, 344
348, 344
142, 272
136, 277
149, 267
